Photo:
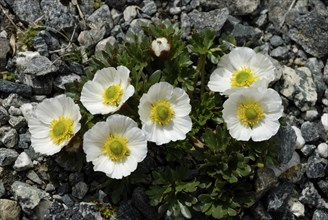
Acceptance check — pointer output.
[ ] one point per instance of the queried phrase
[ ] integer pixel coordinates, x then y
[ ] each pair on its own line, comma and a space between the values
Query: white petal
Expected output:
45, 146
220, 80
119, 124
240, 57
180, 102
156, 133
262, 67
161, 90
239, 132
103, 164
265, 130
37, 128
48, 110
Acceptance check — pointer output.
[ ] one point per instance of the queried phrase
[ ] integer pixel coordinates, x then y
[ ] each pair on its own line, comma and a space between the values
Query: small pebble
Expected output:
323, 150
299, 138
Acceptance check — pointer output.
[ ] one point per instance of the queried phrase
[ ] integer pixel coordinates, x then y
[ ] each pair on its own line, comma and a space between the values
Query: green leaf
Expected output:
154, 78
184, 210
202, 42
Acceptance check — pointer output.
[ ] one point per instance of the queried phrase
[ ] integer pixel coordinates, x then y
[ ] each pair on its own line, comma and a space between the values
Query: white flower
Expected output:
53, 124
160, 46
164, 112
108, 91
253, 113
242, 67
116, 146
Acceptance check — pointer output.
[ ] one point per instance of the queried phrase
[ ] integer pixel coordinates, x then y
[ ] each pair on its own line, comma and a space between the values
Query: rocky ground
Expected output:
55, 39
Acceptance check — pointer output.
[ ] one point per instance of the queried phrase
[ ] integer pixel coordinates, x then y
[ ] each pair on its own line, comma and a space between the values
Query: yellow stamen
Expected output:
115, 147
243, 77
161, 112
61, 129
250, 113
113, 95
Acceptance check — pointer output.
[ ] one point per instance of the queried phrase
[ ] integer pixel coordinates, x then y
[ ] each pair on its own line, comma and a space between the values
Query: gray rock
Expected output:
244, 33
87, 7
40, 45
28, 109
298, 86
279, 52
11, 87
27, 10
28, 196
4, 49
57, 15
308, 149
175, 10
126, 211
8, 136
4, 116
301, 29
316, 67
261, 20
285, 140
17, 122
120, 5
79, 190
310, 196
135, 26
214, 19
236, 7
9, 210
286, 167
277, 10
12, 100
41, 85
320, 214
7, 156
101, 18
77, 68
264, 181
50, 187
259, 212
323, 150
61, 80
75, 177
89, 211
141, 202
116, 16
316, 166
23, 162
277, 197
102, 44
42, 209
2, 189
32, 175
325, 73
185, 24
310, 131
33, 63
14, 111
130, 13
276, 41
311, 115
91, 37
323, 185
149, 7
50, 39
67, 200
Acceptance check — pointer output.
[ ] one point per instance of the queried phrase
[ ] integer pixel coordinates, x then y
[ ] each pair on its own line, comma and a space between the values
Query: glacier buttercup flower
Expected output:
108, 91
53, 124
161, 46
242, 67
116, 146
253, 113
164, 112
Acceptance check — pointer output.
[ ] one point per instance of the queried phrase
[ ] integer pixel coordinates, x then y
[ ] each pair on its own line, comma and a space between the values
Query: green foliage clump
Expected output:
25, 37
7, 76
208, 172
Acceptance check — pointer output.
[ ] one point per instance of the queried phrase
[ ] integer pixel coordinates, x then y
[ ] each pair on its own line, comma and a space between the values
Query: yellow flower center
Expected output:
113, 95
250, 113
161, 112
61, 129
115, 147
243, 77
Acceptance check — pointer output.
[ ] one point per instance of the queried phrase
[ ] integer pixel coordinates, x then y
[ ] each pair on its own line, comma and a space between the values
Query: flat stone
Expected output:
41, 85
310, 196
236, 7
27, 10
316, 66
285, 140
299, 87
9, 210
7, 156
245, 33
101, 18
9, 137
214, 19
32, 175
130, 13
302, 27
91, 37
149, 7
57, 15
33, 63
279, 52
23, 162
277, 10
28, 196
12, 87
276, 41
102, 44
4, 49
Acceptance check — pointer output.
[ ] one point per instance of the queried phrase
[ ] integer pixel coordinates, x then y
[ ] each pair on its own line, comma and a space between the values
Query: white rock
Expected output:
323, 150
295, 160
23, 162
299, 138
296, 207
310, 115
102, 44
27, 110
130, 13
324, 121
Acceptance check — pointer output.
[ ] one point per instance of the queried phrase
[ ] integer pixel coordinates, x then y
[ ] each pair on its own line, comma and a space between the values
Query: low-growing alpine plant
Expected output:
155, 95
